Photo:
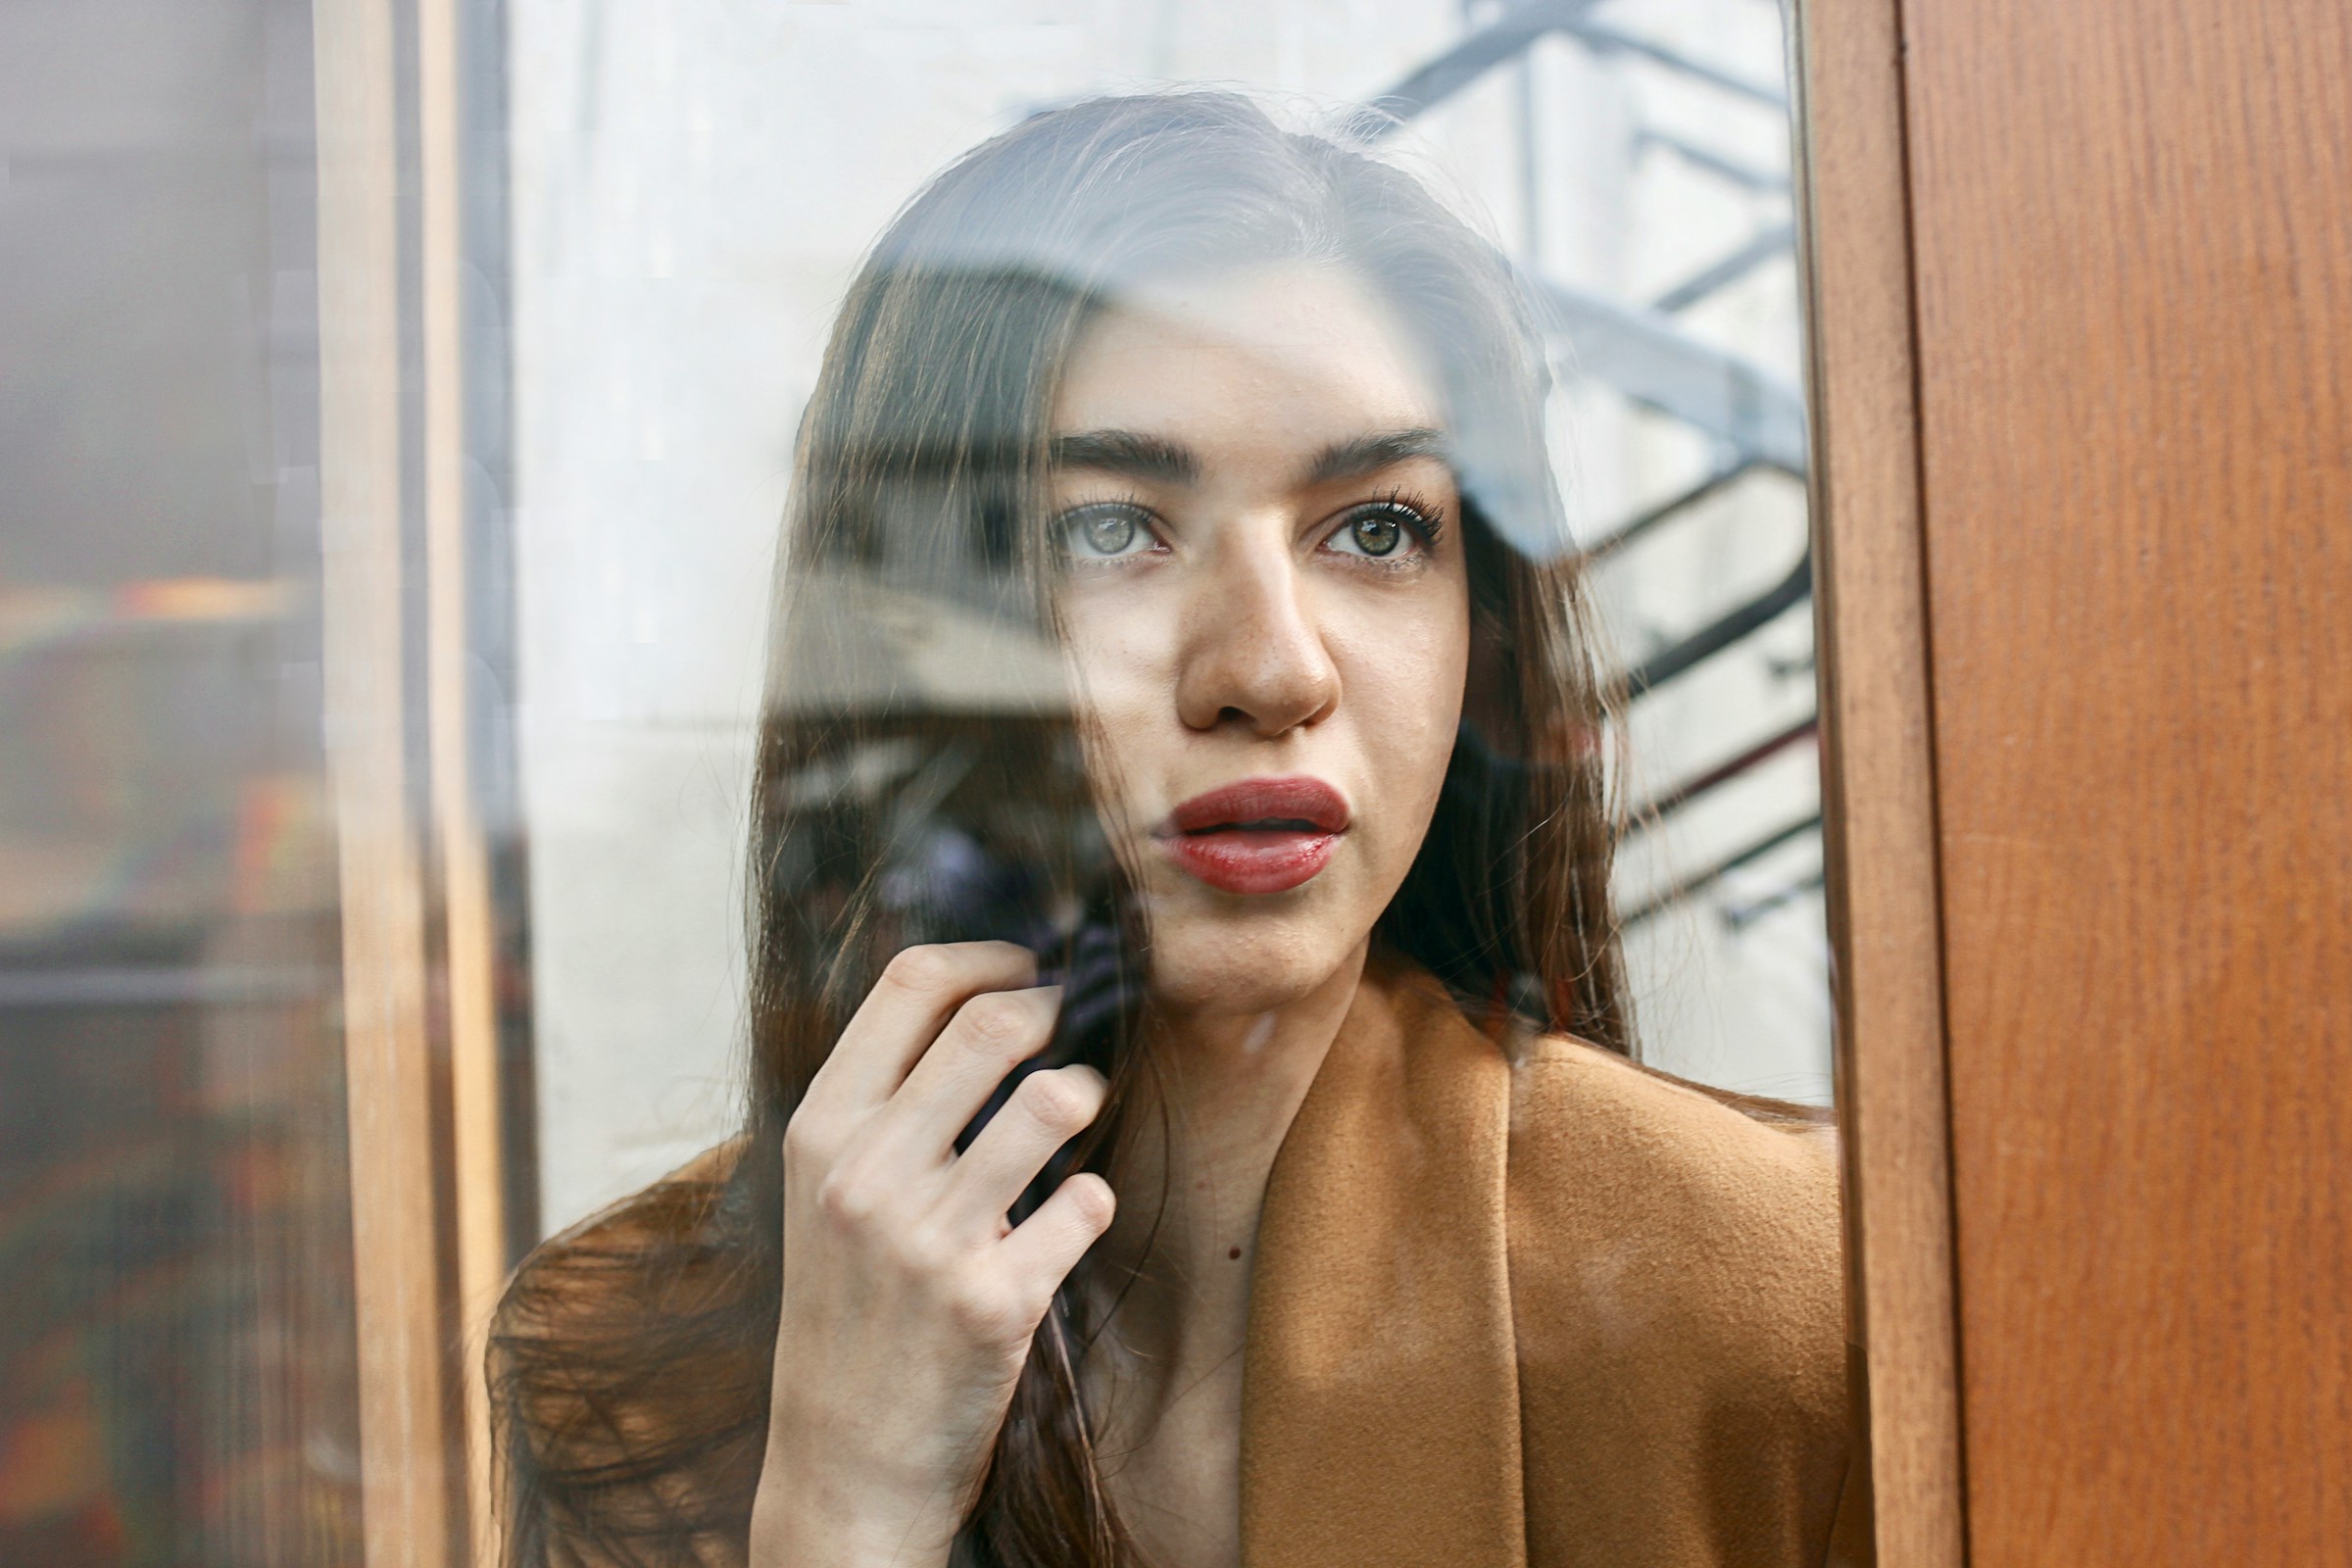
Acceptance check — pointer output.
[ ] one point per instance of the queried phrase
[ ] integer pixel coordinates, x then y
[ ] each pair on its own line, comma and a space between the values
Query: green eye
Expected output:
1377, 534
1387, 530
1106, 531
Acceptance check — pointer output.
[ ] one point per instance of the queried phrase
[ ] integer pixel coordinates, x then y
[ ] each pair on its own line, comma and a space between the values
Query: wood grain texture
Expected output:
2133, 233
1877, 767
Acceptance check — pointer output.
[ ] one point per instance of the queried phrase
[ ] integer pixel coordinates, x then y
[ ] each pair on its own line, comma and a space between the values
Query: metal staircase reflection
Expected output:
1754, 418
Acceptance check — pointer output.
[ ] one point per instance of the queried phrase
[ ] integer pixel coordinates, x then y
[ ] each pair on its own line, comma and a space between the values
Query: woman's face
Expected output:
1268, 615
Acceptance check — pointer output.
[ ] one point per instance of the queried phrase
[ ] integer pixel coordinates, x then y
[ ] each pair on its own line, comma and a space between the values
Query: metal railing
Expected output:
1642, 352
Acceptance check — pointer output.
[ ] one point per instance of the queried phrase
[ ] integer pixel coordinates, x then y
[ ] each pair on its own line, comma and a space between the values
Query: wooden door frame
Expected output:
1878, 765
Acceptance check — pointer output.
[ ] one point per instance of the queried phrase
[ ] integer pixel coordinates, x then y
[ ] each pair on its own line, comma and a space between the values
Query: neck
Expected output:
1206, 1126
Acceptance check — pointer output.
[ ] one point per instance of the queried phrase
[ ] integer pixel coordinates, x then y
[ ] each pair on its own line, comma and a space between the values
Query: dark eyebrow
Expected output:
1138, 456
1369, 454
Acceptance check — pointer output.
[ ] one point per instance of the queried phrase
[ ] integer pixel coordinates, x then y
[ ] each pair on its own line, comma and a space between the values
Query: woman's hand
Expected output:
908, 1302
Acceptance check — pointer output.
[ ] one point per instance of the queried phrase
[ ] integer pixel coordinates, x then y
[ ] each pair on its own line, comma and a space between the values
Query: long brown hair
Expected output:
919, 778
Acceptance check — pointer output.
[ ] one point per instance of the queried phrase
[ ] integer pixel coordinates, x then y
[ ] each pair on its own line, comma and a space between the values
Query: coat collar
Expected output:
1380, 1406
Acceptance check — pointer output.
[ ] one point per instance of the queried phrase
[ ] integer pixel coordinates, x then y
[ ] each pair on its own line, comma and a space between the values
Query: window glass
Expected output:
547, 543
676, 277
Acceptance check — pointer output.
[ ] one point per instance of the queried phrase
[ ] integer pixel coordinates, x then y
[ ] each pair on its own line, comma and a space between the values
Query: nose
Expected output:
1252, 654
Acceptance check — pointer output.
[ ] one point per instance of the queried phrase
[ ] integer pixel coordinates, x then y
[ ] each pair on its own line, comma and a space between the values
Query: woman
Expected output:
1191, 1116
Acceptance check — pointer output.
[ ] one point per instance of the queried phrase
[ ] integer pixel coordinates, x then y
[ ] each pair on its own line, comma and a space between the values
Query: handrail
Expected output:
1765, 244
1721, 868
1643, 522
1509, 34
1722, 167
1749, 914
1717, 635
1657, 809
1649, 358
1476, 53
1603, 38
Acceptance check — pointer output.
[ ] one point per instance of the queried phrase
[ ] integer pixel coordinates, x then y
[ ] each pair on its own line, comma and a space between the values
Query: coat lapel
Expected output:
1380, 1407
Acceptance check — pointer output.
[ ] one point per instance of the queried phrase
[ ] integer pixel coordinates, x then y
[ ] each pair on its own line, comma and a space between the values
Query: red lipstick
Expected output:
1261, 835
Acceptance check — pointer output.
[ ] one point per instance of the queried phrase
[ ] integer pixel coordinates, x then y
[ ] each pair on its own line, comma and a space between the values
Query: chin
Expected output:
1236, 963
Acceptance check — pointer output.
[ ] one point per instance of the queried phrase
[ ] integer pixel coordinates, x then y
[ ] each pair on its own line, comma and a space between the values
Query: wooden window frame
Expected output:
1878, 766
423, 1062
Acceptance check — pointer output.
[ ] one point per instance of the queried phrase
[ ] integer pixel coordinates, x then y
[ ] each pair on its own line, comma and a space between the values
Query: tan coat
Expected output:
1561, 1312
1556, 1312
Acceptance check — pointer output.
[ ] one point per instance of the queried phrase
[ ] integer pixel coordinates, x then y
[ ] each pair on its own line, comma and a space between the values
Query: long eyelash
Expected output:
1063, 518
1423, 517
1429, 520
1117, 499
1134, 504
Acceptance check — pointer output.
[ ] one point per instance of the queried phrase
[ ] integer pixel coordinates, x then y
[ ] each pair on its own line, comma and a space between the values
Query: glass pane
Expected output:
676, 280
551, 544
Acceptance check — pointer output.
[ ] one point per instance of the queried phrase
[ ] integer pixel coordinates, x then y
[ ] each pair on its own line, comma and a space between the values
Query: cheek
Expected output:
1118, 657
1119, 650
1405, 677
1417, 654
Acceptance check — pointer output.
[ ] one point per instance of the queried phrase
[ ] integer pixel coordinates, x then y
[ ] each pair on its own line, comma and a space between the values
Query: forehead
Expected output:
1277, 358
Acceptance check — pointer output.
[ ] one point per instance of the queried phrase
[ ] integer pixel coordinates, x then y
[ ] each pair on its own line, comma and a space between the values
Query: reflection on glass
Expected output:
1348, 672
177, 1365
1189, 1114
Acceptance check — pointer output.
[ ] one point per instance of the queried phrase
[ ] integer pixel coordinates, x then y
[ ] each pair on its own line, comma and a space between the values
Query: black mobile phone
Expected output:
1097, 986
